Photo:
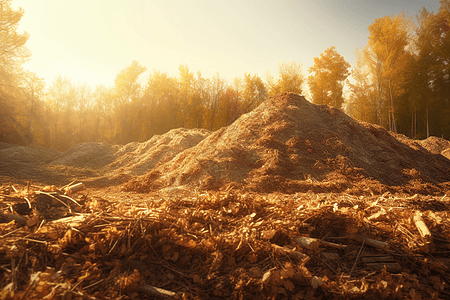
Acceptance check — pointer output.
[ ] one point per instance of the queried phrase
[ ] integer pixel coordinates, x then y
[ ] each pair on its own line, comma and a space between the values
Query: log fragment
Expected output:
307, 242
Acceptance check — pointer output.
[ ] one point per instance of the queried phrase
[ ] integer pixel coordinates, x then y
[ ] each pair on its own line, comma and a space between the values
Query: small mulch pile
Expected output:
105, 244
94, 163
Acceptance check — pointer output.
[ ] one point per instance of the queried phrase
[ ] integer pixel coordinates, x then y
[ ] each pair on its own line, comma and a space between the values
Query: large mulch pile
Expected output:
290, 145
291, 201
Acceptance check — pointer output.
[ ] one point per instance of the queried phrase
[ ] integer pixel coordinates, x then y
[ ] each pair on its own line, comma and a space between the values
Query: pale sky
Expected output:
93, 40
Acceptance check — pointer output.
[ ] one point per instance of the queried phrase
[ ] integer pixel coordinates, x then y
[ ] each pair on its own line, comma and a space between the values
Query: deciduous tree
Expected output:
290, 79
328, 74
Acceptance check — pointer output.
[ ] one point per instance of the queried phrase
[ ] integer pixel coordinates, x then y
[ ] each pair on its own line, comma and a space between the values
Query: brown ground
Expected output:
216, 215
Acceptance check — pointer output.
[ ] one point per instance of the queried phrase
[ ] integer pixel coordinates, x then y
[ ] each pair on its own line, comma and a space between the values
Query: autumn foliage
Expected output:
401, 81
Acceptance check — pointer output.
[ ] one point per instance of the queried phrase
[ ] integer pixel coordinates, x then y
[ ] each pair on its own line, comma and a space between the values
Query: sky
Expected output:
91, 41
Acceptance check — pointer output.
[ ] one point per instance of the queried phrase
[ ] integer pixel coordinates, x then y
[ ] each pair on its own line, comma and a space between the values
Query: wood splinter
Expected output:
421, 226
72, 189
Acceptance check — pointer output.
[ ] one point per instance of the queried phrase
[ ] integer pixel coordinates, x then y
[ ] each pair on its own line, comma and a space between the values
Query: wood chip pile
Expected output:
98, 244
290, 145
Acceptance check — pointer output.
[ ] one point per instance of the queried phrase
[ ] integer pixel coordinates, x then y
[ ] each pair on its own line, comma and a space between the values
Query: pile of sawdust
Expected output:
135, 158
436, 146
95, 163
139, 158
290, 145
86, 155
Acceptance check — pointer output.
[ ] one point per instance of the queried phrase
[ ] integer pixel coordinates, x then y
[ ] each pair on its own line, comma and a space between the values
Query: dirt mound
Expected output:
290, 145
26, 163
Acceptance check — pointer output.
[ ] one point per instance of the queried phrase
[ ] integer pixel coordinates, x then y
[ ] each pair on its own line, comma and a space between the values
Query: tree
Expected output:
61, 103
386, 47
13, 54
186, 85
162, 106
254, 92
290, 79
327, 77
431, 45
34, 92
362, 102
216, 88
128, 101
102, 110
83, 104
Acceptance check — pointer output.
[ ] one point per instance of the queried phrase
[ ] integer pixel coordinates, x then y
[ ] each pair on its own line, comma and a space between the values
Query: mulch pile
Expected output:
291, 201
94, 163
290, 145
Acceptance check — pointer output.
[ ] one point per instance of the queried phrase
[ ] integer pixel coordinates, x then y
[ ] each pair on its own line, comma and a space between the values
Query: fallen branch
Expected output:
371, 242
313, 243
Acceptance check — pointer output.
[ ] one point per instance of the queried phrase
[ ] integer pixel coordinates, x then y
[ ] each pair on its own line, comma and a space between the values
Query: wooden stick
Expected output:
67, 197
313, 243
28, 187
371, 242
155, 291
357, 258
421, 226
94, 284
339, 246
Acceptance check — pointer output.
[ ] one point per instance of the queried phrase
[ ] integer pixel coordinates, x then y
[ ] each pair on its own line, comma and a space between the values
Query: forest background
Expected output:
401, 81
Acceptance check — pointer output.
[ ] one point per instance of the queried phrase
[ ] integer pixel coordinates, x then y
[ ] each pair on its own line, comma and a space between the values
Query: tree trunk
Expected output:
392, 124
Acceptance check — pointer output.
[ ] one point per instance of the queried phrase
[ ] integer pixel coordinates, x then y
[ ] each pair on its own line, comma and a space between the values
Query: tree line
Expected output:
401, 81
